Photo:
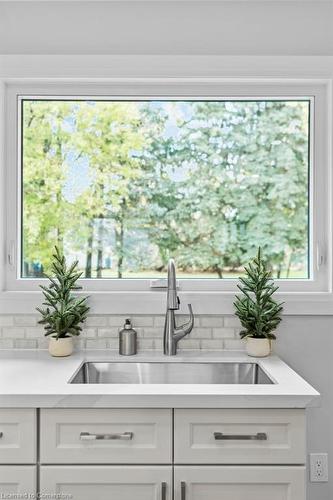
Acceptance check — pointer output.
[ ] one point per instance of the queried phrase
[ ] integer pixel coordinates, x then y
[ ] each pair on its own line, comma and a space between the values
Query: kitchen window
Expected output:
123, 182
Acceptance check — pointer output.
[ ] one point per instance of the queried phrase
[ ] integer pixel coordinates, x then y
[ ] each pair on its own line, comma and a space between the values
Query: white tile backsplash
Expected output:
201, 333
34, 332
25, 320
108, 332
232, 321
212, 345
234, 344
96, 321
142, 320
14, 332
6, 321
211, 321
223, 333
25, 344
101, 332
89, 333
6, 344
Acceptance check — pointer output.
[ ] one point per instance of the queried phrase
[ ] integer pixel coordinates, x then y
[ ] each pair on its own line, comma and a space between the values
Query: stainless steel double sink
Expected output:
169, 373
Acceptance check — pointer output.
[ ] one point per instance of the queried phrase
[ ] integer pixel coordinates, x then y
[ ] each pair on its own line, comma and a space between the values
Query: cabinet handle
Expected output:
125, 436
183, 490
1, 434
260, 436
164, 487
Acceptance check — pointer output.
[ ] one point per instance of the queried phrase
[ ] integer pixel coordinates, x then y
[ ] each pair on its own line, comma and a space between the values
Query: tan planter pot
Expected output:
61, 347
258, 348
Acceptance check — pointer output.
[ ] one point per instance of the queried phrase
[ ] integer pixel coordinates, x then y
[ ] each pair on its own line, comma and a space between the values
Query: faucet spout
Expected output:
172, 334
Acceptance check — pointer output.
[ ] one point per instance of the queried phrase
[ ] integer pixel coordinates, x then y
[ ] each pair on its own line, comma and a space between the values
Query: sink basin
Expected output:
169, 373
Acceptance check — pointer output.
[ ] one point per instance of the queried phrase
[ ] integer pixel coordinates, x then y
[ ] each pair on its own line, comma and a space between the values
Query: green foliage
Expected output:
136, 182
257, 311
64, 312
45, 152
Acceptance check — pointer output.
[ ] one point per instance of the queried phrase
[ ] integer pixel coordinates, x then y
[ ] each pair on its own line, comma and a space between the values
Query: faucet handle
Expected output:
187, 327
184, 329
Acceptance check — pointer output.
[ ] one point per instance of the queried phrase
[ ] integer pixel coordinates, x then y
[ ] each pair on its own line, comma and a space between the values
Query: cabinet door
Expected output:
17, 436
17, 481
107, 482
240, 483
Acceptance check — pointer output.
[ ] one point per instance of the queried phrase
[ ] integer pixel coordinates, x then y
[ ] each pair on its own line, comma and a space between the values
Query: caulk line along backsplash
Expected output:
101, 332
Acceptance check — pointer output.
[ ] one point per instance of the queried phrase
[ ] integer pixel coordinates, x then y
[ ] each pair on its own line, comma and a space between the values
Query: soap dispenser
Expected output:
127, 339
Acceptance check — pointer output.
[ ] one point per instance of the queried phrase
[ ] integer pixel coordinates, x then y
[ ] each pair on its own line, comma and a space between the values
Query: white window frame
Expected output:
206, 294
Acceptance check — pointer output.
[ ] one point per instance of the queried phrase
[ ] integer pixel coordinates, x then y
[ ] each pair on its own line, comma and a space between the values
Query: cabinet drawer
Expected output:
106, 436
107, 482
18, 436
240, 483
238, 436
18, 481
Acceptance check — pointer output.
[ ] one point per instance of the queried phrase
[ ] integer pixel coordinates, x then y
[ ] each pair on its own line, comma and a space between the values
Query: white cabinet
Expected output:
239, 483
107, 482
17, 436
18, 481
106, 436
239, 436
146, 454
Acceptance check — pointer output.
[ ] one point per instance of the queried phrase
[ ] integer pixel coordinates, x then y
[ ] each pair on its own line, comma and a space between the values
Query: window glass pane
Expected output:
124, 185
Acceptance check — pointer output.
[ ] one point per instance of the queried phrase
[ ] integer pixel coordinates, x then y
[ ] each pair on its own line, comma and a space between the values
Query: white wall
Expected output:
227, 28
264, 27
306, 344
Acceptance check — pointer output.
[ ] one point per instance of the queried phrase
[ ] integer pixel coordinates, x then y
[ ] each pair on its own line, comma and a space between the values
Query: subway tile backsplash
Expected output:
101, 332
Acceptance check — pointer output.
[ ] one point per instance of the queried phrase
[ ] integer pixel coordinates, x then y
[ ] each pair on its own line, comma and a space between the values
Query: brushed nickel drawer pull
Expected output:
183, 490
164, 486
125, 436
260, 436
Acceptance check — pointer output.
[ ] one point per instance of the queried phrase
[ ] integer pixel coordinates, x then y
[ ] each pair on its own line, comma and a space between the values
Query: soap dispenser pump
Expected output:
127, 339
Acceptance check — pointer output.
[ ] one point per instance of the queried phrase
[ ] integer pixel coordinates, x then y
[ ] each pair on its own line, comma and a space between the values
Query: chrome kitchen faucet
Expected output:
172, 333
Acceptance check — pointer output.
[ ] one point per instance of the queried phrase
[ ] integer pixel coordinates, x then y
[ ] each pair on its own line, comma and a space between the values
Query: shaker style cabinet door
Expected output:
18, 481
17, 436
239, 483
107, 482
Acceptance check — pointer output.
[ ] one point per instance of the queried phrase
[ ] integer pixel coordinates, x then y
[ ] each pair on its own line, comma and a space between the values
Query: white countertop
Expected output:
35, 379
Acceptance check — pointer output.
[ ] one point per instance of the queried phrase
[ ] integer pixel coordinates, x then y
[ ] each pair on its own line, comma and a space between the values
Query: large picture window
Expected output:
122, 185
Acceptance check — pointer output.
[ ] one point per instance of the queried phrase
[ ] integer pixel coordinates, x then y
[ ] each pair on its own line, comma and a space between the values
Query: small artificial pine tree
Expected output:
64, 312
257, 311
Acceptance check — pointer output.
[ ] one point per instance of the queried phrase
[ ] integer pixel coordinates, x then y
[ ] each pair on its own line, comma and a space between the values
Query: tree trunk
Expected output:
289, 264
100, 233
279, 270
219, 272
120, 248
60, 236
89, 249
60, 240
119, 234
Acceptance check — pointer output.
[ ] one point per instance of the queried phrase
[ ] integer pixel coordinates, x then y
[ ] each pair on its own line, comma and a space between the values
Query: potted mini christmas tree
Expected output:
256, 309
64, 312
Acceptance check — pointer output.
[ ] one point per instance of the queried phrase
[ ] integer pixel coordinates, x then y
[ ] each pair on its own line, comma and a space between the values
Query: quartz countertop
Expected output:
34, 379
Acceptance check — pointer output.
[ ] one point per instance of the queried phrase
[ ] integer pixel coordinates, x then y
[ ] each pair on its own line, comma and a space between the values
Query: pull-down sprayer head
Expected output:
172, 299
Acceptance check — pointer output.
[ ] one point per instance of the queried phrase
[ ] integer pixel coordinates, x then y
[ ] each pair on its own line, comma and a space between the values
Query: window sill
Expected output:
153, 302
